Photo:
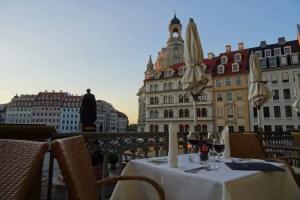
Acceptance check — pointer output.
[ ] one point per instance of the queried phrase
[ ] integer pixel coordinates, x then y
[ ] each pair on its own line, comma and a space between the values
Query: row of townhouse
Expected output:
161, 99
59, 110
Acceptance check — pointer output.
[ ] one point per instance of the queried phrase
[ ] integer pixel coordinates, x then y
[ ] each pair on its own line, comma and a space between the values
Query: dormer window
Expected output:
182, 70
235, 67
277, 51
168, 73
221, 69
237, 57
258, 54
268, 53
287, 50
224, 60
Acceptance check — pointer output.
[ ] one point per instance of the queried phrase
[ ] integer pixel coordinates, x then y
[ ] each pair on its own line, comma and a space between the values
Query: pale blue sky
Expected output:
104, 45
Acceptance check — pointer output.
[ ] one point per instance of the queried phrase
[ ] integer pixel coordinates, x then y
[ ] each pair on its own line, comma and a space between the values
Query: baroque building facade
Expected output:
230, 90
161, 99
280, 64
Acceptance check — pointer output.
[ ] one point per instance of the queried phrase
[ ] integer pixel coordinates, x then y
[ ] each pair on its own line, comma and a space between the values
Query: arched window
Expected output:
151, 100
165, 99
171, 99
204, 112
156, 100
186, 128
181, 113
151, 128
237, 57
198, 128
170, 113
166, 128
166, 86
155, 114
151, 114
186, 113
180, 98
221, 69
156, 128
186, 98
155, 87
166, 114
170, 86
224, 60
204, 128
198, 112
179, 85
181, 128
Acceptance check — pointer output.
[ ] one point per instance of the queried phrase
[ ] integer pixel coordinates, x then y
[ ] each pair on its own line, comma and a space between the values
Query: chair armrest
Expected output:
115, 179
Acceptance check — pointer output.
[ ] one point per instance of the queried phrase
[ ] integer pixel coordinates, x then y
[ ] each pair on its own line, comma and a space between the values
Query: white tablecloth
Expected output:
225, 184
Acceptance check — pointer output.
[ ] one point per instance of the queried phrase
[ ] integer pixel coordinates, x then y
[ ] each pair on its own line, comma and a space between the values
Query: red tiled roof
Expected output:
243, 65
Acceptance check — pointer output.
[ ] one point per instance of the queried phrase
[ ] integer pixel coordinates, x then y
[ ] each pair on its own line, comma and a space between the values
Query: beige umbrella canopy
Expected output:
194, 79
296, 104
258, 92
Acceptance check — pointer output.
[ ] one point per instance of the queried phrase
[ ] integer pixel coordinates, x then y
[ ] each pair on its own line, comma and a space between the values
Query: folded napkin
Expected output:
225, 137
173, 147
254, 166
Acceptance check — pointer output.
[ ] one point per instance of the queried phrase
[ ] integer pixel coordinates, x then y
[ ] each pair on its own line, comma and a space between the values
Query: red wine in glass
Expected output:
219, 148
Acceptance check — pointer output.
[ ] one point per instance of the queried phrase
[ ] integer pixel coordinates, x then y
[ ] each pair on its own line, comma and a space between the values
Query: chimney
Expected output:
281, 40
228, 48
53, 91
46, 91
263, 44
60, 91
241, 46
210, 55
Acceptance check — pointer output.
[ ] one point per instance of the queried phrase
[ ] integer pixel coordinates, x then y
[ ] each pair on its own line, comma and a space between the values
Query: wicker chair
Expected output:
21, 169
250, 146
75, 164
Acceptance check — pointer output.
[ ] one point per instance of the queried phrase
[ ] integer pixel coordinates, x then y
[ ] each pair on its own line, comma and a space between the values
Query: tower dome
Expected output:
175, 20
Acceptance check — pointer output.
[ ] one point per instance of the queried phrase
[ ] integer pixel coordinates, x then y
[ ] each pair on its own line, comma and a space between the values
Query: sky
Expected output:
104, 45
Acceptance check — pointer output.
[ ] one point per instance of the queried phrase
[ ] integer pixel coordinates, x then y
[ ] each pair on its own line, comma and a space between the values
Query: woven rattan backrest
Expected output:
20, 168
75, 164
246, 146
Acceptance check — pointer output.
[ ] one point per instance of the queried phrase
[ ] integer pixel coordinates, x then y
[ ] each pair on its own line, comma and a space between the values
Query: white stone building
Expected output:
47, 107
19, 110
69, 114
122, 122
161, 98
280, 63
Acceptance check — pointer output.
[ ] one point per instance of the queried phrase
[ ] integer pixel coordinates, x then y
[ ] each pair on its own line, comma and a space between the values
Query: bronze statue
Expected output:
87, 112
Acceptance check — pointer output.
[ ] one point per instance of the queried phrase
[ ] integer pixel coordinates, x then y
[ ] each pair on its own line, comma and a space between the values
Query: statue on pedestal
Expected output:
88, 111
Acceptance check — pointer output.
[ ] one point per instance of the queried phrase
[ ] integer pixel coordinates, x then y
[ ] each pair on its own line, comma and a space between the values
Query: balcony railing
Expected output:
131, 145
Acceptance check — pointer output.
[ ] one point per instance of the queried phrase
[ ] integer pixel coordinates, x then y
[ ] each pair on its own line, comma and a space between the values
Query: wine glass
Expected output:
193, 140
219, 147
209, 143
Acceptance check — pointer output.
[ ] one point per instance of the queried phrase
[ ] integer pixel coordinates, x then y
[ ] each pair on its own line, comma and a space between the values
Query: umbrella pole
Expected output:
195, 112
258, 119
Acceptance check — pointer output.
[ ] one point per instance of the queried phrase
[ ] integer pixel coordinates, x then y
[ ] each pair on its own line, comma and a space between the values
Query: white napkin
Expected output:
173, 147
225, 137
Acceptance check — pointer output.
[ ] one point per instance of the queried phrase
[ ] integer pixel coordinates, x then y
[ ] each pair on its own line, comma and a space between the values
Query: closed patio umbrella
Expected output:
194, 79
296, 104
258, 92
